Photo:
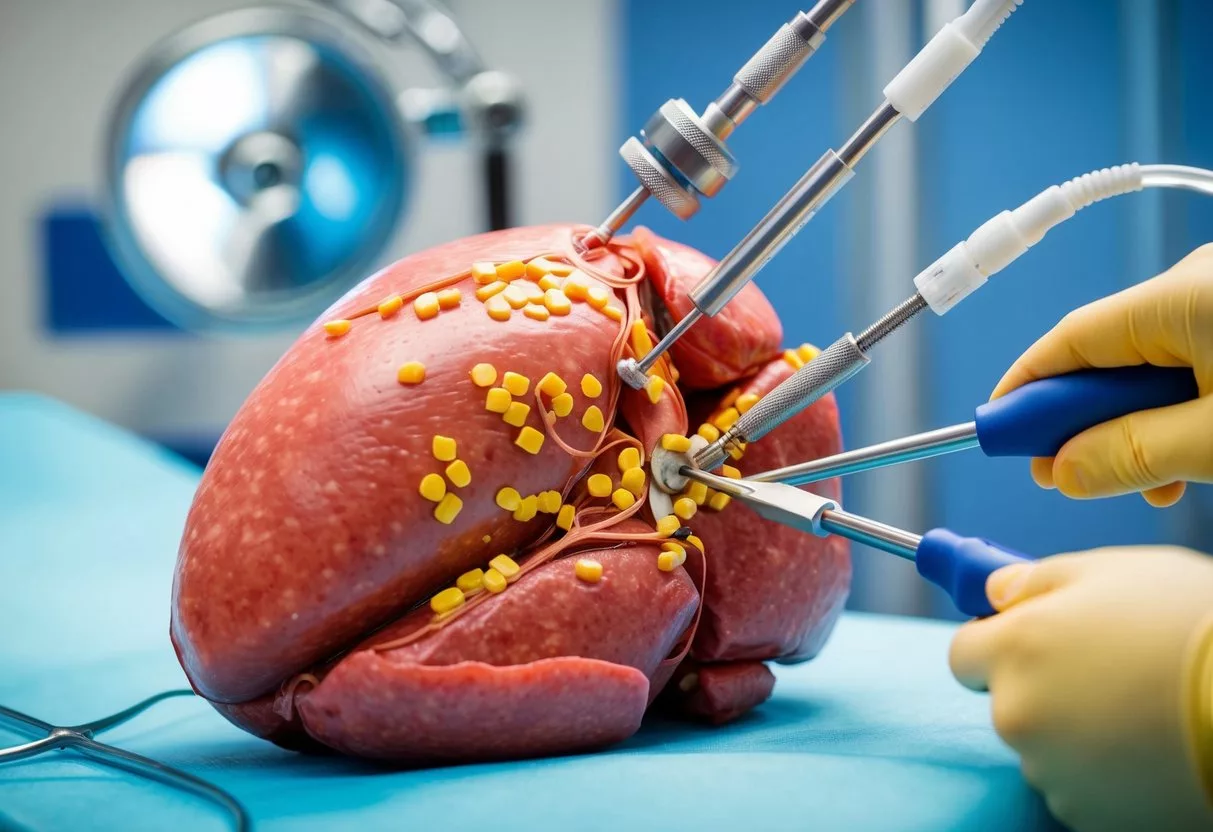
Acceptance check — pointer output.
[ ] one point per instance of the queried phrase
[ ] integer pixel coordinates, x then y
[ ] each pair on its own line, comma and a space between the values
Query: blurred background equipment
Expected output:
258, 163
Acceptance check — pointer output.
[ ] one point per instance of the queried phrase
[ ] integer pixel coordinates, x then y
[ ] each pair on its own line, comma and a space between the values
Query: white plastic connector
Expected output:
1002, 239
931, 71
945, 56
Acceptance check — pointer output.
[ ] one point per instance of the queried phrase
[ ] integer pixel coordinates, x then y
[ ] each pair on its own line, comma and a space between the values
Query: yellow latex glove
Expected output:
1166, 321
1100, 672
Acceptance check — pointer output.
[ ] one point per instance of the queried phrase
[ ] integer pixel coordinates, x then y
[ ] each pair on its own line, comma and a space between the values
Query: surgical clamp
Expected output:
959, 565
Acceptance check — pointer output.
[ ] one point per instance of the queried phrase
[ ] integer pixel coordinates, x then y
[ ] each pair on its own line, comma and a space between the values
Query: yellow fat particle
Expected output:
494, 581
794, 360
497, 308
588, 570
444, 448
746, 401
448, 509
507, 567
449, 298
556, 302
696, 542
530, 440
592, 419
560, 269
642, 344
736, 451
654, 387
599, 485
633, 480
534, 292
727, 419
576, 287
674, 442
484, 273
426, 306
509, 499
538, 267
552, 384
389, 306
623, 499
486, 539
411, 373
489, 290
483, 375
667, 525
336, 328
730, 472
527, 510
563, 405
732, 397
564, 519
684, 507
536, 313
471, 582
698, 492
548, 283
807, 352
459, 473
597, 297
516, 414
708, 432
719, 501
673, 546
498, 400
515, 296
518, 385
433, 487
613, 312
549, 502
591, 387
629, 458
667, 562
449, 599
511, 270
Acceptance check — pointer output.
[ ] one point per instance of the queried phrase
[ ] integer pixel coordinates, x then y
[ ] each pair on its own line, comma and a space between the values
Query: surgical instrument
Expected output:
1035, 420
683, 156
958, 565
946, 282
909, 94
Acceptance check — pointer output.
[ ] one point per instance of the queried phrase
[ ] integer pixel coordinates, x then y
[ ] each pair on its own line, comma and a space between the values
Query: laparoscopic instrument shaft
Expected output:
837, 363
755, 84
824, 179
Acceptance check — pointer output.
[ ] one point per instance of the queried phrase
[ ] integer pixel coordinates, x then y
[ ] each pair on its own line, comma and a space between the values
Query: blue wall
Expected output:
1046, 101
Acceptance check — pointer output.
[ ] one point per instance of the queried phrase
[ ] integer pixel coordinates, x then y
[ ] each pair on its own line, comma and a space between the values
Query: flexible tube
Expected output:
979, 23
1005, 237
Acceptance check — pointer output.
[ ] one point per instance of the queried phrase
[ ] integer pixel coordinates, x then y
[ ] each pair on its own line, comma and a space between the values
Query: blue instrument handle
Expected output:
960, 566
1038, 418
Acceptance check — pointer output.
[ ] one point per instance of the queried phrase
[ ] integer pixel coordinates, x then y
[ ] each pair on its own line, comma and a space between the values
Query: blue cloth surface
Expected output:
874, 734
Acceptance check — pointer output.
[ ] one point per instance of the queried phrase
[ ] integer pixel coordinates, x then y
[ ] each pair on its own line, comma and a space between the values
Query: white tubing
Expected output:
945, 56
998, 242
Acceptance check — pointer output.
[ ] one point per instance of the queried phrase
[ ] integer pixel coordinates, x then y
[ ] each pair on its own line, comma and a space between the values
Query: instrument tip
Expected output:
631, 373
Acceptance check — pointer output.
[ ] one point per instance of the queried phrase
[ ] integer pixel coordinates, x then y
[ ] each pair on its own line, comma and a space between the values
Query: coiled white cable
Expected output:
1002, 239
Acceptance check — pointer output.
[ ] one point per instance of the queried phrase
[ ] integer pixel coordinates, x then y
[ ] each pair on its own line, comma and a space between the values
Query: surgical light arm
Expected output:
909, 94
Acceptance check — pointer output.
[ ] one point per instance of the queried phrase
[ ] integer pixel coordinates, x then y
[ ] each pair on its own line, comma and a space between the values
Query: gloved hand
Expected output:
1166, 321
1100, 671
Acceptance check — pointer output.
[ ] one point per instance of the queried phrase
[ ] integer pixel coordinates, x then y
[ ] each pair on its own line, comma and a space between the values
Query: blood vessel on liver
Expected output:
301, 596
